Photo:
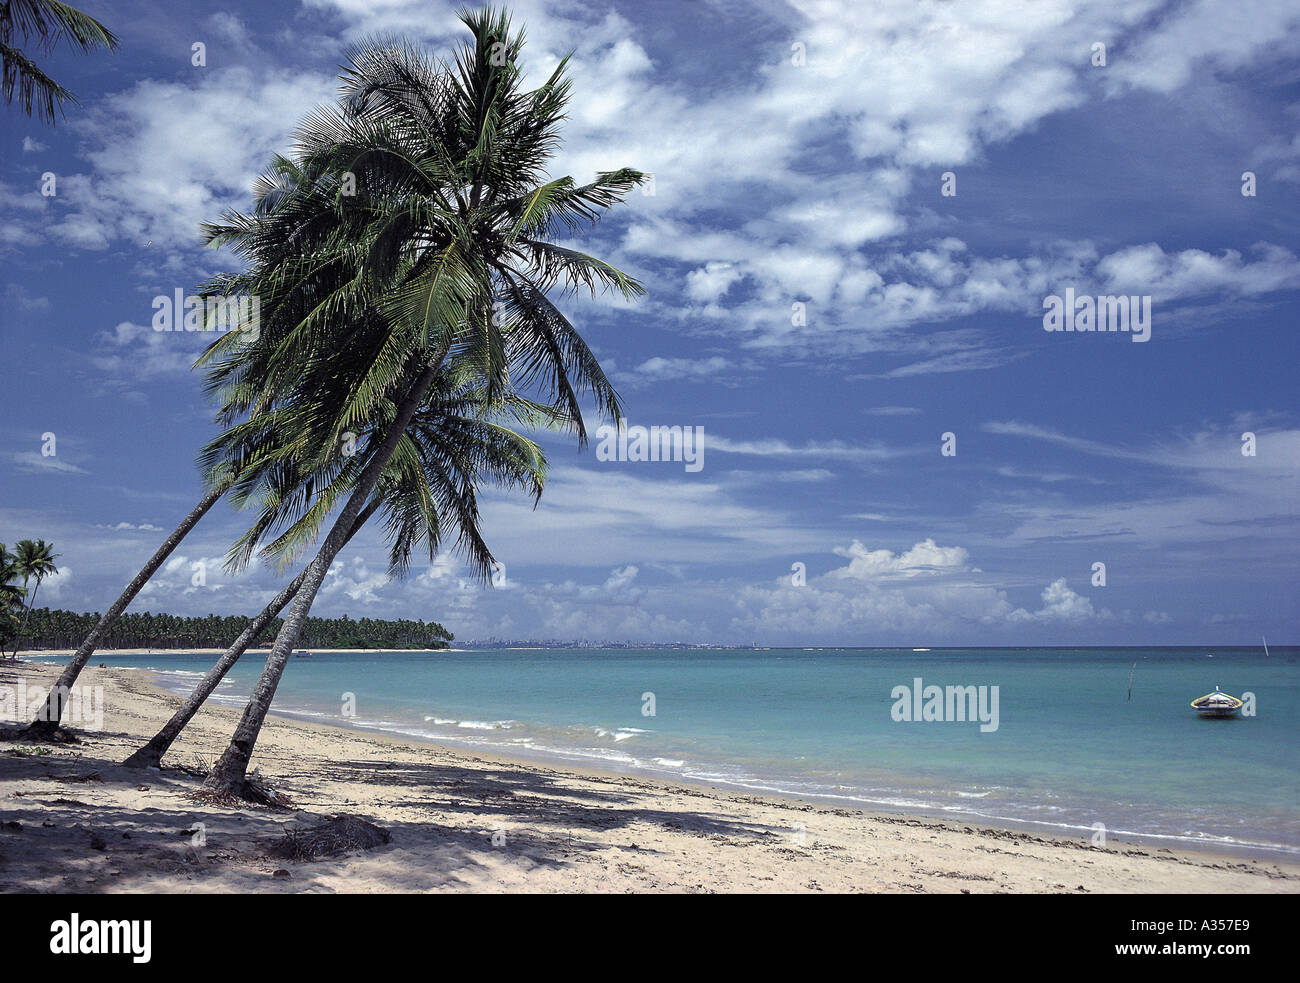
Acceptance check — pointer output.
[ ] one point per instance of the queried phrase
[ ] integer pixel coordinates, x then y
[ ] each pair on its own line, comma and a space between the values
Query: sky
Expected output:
858, 216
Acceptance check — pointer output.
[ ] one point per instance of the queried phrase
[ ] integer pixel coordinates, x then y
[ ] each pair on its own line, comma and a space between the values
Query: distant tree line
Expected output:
56, 629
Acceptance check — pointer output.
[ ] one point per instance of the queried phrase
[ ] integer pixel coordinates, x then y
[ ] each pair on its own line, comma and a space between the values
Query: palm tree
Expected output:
35, 560
243, 459
150, 755
457, 448
448, 247
47, 22
47, 720
246, 456
11, 596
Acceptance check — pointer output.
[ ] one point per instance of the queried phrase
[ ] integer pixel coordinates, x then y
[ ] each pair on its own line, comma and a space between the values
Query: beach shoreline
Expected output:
50, 653
525, 756
476, 821
547, 723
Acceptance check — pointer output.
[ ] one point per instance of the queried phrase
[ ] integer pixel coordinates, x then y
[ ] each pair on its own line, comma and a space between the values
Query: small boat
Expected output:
302, 654
1217, 704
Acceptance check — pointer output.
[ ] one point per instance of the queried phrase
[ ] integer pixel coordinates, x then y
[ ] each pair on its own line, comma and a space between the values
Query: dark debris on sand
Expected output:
331, 838
254, 793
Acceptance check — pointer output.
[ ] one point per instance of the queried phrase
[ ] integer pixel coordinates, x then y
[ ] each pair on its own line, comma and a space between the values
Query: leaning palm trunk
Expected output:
150, 756
22, 629
228, 775
47, 720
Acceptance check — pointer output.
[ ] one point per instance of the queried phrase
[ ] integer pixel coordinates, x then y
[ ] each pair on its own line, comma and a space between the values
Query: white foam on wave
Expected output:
469, 724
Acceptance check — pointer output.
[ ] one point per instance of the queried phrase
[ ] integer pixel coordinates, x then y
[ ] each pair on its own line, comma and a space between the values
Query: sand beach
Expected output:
73, 820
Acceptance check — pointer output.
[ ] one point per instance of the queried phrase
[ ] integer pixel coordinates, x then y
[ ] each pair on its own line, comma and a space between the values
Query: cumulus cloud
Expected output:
897, 89
166, 156
55, 585
137, 352
1148, 269
184, 576
1060, 603
923, 559
817, 204
711, 281
354, 578
929, 591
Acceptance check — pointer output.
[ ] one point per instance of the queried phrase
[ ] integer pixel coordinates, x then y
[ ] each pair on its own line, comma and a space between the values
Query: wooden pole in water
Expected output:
1130, 679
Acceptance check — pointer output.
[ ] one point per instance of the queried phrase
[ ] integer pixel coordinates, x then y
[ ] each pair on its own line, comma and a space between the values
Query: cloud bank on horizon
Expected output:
857, 217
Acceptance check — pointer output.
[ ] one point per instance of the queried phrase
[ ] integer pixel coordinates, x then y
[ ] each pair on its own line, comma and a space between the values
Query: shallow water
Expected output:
1069, 750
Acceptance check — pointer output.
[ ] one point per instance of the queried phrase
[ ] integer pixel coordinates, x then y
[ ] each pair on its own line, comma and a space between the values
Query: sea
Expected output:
1097, 743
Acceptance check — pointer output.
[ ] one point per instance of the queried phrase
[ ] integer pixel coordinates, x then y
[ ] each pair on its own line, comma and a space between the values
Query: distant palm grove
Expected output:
47, 629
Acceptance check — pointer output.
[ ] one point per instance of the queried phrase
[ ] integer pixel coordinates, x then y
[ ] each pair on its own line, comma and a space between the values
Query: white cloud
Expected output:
893, 410
133, 351
679, 369
795, 475
192, 577
169, 155
1060, 603
777, 448
925, 558
1208, 37
34, 462
711, 281
1148, 269
899, 88
356, 579
54, 586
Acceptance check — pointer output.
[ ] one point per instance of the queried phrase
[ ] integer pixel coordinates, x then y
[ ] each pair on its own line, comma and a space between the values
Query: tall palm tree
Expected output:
150, 755
448, 244
457, 449
239, 461
11, 595
46, 22
35, 560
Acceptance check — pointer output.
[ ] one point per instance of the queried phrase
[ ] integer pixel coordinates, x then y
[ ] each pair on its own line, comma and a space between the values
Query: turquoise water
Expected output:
1069, 751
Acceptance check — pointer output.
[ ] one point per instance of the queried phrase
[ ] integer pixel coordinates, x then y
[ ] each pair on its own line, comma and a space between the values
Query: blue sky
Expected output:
776, 183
